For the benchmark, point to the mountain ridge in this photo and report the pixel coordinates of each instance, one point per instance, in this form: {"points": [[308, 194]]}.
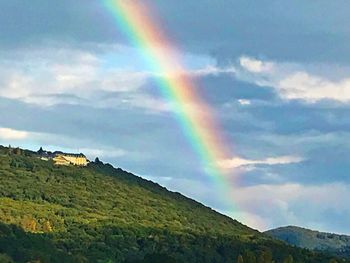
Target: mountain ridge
{"points": [[336, 244], [102, 214]]}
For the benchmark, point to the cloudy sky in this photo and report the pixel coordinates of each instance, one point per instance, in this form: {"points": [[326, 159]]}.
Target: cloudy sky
{"points": [[275, 73]]}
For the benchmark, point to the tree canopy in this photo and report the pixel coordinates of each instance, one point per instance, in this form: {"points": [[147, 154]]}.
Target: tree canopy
{"points": [[98, 213]]}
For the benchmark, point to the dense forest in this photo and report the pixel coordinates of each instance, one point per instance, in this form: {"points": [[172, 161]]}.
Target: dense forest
{"points": [[98, 213], [338, 245]]}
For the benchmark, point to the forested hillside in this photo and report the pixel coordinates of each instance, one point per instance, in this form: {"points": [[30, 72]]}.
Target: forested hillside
{"points": [[315, 240], [98, 213]]}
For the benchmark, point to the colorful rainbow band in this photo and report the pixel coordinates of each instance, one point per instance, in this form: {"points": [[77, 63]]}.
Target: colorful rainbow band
{"points": [[192, 113]]}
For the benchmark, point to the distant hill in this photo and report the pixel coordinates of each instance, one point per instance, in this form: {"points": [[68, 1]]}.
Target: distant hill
{"points": [[98, 213], [306, 238]]}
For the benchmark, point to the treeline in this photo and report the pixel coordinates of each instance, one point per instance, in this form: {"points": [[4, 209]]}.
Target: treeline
{"points": [[136, 245]]}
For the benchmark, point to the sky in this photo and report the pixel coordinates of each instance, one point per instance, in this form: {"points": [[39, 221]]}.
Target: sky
{"points": [[276, 75]]}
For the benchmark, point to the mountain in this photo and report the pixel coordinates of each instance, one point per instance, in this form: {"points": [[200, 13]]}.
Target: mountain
{"points": [[97, 213], [314, 240]]}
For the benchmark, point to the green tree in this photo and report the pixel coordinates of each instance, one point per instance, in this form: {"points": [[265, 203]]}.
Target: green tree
{"points": [[5, 259], [29, 224], [240, 259], [289, 259], [249, 257], [265, 257], [18, 151], [47, 226]]}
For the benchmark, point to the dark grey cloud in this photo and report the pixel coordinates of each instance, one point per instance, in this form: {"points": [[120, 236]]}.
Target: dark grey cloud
{"points": [[222, 88], [33, 22], [326, 164], [318, 168], [281, 30]]}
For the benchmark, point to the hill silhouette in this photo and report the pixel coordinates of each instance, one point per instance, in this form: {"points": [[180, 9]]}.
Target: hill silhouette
{"points": [[98, 213], [320, 241]]}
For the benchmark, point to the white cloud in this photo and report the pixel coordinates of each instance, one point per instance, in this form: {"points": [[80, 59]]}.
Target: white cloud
{"points": [[294, 81], [44, 78], [250, 164], [244, 102], [70, 76], [212, 70], [302, 85], [254, 65], [45, 73], [11, 134]]}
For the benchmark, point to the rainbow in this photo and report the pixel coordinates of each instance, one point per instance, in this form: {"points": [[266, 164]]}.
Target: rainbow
{"points": [[195, 117]]}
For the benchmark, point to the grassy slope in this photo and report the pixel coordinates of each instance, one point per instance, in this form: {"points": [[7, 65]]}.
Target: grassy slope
{"points": [[98, 213]]}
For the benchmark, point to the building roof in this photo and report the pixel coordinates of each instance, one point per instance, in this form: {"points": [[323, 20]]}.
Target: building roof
{"points": [[69, 154], [42, 152]]}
